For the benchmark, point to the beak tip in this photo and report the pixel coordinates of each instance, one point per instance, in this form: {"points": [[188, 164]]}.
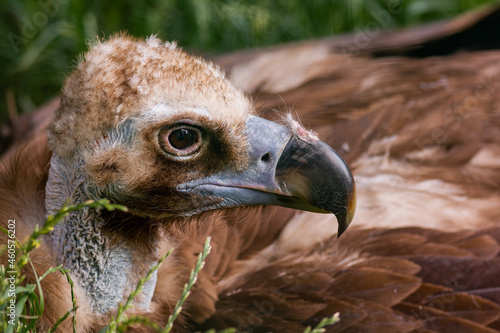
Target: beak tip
{"points": [[344, 220], [342, 228]]}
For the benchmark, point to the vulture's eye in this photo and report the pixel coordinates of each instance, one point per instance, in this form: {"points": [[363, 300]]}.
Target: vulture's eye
{"points": [[180, 140]]}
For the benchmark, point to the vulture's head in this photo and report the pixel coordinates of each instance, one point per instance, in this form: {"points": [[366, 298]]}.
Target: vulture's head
{"points": [[167, 135]]}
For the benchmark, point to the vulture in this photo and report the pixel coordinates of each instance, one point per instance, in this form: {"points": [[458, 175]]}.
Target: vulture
{"points": [[258, 159]]}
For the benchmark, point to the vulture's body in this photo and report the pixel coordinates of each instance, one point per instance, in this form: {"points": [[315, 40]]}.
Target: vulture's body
{"points": [[421, 136]]}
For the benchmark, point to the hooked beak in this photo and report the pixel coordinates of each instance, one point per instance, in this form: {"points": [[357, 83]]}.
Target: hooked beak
{"points": [[285, 169]]}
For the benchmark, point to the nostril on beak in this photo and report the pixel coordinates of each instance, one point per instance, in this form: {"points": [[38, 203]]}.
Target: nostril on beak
{"points": [[265, 162]]}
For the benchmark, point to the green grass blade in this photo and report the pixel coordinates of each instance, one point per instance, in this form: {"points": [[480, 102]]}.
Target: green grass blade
{"points": [[120, 321], [63, 318], [187, 287], [324, 322]]}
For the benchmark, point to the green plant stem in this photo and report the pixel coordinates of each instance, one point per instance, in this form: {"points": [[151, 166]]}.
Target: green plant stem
{"points": [[187, 287]]}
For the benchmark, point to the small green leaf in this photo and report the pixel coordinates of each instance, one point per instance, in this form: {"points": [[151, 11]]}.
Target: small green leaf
{"points": [[29, 288], [104, 329]]}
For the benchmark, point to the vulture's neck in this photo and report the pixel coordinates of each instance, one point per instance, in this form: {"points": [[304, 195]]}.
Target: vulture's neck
{"points": [[107, 268]]}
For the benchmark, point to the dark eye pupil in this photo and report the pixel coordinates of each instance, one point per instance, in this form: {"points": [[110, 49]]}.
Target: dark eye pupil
{"points": [[183, 138]]}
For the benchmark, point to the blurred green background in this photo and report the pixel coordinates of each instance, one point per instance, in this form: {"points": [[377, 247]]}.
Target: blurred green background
{"points": [[41, 38]]}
